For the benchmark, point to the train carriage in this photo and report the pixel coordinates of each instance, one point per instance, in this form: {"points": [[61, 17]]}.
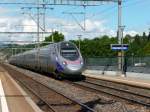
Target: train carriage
{"points": [[63, 59]]}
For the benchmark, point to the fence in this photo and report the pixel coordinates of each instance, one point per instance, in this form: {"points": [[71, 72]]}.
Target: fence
{"points": [[134, 64]]}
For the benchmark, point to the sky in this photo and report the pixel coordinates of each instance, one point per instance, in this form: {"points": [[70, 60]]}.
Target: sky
{"points": [[99, 20]]}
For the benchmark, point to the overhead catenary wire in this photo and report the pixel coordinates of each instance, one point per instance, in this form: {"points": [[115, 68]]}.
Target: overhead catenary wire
{"points": [[62, 2], [126, 3], [106, 13]]}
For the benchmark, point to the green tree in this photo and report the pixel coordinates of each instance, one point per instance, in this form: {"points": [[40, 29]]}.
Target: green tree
{"points": [[146, 49], [55, 37], [149, 36], [97, 47]]}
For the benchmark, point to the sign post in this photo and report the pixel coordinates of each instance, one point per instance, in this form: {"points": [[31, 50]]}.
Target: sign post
{"points": [[120, 48]]}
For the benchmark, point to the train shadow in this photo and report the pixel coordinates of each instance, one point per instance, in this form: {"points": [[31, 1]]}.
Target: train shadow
{"points": [[73, 78], [76, 78], [90, 104], [94, 105]]}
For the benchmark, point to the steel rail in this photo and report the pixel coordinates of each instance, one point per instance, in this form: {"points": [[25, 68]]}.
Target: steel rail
{"points": [[60, 93], [74, 100], [31, 90], [117, 90]]}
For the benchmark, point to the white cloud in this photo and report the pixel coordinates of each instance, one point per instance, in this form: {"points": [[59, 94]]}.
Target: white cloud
{"points": [[94, 25], [70, 29], [9, 24], [4, 10], [29, 25], [94, 28], [132, 32]]}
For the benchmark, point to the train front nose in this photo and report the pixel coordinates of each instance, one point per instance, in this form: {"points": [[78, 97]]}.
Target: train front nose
{"points": [[73, 68], [71, 58]]}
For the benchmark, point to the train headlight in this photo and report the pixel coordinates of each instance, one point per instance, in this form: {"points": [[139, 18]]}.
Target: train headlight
{"points": [[81, 62], [64, 63], [56, 58]]}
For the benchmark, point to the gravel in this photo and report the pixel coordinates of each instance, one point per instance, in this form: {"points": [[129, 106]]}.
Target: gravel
{"points": [[91, 99], [120, 107]]}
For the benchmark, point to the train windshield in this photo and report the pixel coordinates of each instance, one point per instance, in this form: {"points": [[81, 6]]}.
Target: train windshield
{"points": [[69, 51]]}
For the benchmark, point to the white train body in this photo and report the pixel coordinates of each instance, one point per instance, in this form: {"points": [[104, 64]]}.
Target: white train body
{"points": [[63, 59]]}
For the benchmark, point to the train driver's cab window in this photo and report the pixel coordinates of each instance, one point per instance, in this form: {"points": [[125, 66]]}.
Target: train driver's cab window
{"points": [[69, 51]]}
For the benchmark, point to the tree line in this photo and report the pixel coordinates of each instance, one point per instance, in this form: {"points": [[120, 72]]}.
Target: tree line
{"points": [[139, 45], [100, 46]]}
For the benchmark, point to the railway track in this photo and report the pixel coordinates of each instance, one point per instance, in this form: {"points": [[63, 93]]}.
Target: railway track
{"points": [[127, 92], [102, 104], [53, 100]]}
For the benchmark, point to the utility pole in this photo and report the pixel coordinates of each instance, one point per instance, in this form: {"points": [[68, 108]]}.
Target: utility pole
{"points": [[38, 30], [122, 51], [119, 36], [11, 45], [84, 16], [44, 10], [52, 35], [79, 37]]}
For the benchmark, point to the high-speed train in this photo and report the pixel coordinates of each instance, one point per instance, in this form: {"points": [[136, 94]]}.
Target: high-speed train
{"points": [[61, 59]]}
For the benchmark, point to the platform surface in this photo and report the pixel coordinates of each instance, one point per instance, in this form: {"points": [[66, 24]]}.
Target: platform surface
{"points": [[3, 102], [126, 80], [16, 99]]}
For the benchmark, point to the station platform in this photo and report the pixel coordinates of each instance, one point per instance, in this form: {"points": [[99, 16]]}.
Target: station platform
{"points": [[12, 97], [142, 83]]}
